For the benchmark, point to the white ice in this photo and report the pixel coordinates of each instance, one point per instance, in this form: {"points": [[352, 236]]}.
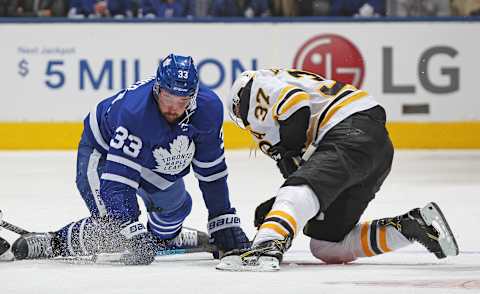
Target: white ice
{"points": [[37, 192]]}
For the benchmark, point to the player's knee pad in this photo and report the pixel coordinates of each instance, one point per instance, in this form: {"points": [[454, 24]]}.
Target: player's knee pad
{"points": [[331, 252]]}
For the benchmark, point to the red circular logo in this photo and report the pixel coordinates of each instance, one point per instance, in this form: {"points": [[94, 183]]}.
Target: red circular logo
{"points": [[332, 57]]}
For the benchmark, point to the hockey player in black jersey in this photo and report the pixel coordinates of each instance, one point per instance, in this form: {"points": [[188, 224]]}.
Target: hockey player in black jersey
{"points": [[331, 145]]}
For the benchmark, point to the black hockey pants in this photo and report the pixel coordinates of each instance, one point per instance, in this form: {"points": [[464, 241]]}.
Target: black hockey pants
{"points": [[345, 172]]}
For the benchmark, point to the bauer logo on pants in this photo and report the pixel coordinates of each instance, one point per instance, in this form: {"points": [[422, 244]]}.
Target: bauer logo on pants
{"points": [[332, 57]]}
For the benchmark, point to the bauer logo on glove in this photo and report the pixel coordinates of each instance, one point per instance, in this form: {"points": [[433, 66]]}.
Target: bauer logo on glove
{"points": [[224, 221]]}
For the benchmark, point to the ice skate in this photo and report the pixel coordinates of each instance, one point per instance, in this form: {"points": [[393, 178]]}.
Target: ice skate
{"points": [[188, 241], [264, 257], [429, 227], [33, 245]]}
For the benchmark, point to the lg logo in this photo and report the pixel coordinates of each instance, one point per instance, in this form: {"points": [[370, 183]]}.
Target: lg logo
{"points": [[335, 57], [423, 73], [332, 57]]}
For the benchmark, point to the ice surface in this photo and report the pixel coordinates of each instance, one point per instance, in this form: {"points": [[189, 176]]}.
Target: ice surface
{"points": [[37, 191]]}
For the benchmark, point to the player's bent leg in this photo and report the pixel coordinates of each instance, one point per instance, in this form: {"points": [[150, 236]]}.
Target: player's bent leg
{"points": [[89, 166], [427, 226], [364, 240], [167, 209], [88, 236]]}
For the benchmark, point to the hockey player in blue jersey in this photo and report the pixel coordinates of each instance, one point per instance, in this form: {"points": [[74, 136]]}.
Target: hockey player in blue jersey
{"points": [[143, 141]]}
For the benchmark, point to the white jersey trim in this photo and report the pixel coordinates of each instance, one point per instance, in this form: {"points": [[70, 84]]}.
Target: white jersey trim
{"points": [[124, 161], [155, 229], [80, 237], [95, 128], [211, 178], [154, 179], [119, 179], [69, 239], [158, 226], [94, 181], [203, 164], [157, 220]]}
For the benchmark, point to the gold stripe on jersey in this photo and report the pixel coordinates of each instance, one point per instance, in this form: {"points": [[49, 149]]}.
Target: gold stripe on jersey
{"points": [[276, 227], [290, 220], [288, 98], [364, 237], [358, 95], [280, 97]]}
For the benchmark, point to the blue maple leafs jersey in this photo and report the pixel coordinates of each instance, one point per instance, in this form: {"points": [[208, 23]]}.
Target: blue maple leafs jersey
{"points": [[142, 150]]}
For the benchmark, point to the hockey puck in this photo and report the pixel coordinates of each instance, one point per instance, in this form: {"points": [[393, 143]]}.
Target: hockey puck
{"points": [[4, 246]]}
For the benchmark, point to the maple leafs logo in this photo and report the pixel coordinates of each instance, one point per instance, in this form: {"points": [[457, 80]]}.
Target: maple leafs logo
{"points": [[177, 159]]}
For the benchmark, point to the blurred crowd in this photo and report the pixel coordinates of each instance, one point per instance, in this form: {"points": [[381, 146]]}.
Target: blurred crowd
{"points": [[235, 8]]}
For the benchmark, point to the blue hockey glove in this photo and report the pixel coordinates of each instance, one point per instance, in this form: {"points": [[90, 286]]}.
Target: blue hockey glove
{"points": [[141, 245], [225, 232]]}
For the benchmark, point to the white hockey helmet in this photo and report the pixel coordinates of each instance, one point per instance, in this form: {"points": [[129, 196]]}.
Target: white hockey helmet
{"points": [[233, 102]]}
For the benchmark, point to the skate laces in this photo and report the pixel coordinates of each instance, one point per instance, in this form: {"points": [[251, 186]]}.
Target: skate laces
{"points": [[39, 246], [186, 238], [266, 247]]}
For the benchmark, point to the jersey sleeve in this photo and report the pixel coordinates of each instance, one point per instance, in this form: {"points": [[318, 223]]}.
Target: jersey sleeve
{"points": [[288, 100], [122, 170], [209, 164]]}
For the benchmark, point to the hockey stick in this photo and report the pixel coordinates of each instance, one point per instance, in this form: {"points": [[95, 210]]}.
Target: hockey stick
{"points": [[11, 227]]}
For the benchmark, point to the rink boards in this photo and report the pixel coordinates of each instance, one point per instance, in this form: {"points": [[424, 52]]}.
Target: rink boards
{"points": [[424, 73]]}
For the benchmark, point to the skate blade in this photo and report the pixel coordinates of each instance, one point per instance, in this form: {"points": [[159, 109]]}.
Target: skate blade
{"points": [[234, 263], [432, 215]]}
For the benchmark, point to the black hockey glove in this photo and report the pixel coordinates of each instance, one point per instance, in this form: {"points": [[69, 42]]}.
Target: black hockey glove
{"points": [[262, 210], [141, 245], [284, 159], [225, 232]]}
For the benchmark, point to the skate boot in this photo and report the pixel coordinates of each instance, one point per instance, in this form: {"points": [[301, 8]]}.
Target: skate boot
{"points": [[428, 227], [263, 257], [33, 246], [188, 241]]}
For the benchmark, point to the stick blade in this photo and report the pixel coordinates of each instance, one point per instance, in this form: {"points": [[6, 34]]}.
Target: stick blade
{"points": [[5, 252]]}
